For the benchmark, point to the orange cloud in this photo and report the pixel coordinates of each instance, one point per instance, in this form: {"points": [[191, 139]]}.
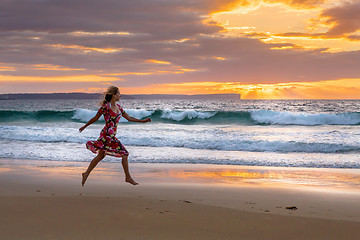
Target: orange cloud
{"points": [[308, 24], [299, 3], [157, 61], [62, 79], [216, 6], [5, 68], [228, 5], [81, 33], [339, 21], [171, 70], [337, 89], [54, 67], [343, 20], [86, 49]]}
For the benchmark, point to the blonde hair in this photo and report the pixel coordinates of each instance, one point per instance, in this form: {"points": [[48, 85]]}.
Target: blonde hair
{"points": [[110, 92]]}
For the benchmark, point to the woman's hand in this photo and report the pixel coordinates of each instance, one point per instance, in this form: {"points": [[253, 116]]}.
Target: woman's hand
{"points": [[91, 121], [82, 128], [146, 120], [132, 119]]}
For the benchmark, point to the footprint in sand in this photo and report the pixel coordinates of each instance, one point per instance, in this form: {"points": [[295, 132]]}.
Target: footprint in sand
{"points": [[166, 211]]}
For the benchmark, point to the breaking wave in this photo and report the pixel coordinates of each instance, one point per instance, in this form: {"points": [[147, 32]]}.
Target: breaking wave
{"points": [[253, 117]]}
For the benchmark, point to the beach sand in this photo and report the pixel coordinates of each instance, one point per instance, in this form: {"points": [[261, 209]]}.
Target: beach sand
{"points": [[46, 201]]}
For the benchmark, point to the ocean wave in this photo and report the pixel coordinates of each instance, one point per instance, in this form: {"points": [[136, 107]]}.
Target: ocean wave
{"points": [[206, 139], [294, 118], [39, 116], [252, 117], [187, 114], [84, 115], [60, 152]]}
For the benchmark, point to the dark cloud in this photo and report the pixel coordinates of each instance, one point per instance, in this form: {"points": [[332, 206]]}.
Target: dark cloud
{"points": [[43, 87], [346, 19], [30, 29], [343, 21], [251, 61], [168, 18], [354, 37]]}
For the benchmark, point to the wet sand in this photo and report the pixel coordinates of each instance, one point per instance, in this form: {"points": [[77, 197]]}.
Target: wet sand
{"points": [[48, 202]]}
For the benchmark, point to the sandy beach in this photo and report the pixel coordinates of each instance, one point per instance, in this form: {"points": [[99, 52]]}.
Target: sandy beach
{"points": [[46, 201]]}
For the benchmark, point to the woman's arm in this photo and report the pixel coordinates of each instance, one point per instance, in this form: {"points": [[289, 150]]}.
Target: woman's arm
{"points": [[91, 121], [132, 119]]}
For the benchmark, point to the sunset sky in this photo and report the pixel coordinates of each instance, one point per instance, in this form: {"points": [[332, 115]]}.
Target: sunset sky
{"points": [[262, 49]]}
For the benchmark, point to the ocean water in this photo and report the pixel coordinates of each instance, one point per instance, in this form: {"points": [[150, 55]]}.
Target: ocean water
{"points": [[280, 133]]}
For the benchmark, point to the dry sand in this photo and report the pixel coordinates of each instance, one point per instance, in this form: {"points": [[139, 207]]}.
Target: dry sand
{"points": [[49, 203]]}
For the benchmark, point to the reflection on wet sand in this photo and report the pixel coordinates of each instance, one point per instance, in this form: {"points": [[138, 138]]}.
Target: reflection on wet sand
{"points": [[336, 179], [346, 179]]}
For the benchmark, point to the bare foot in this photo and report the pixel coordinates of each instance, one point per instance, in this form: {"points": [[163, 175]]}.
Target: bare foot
{"points": [[131, 181], [84, 177]]}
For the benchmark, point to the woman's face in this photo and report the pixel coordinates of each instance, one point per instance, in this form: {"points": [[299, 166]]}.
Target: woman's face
{"points": [[117, 96]]}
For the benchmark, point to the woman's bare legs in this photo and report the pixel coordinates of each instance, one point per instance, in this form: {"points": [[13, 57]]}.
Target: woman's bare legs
{"points": [[92, 165], [125, 165]]}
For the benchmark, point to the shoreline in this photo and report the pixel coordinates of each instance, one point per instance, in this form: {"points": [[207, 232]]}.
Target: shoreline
{"points": [[43, 201], [313, 179]]}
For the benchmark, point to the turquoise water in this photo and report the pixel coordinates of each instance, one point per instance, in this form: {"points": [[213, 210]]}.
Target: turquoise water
{"points": [[291, 133]]}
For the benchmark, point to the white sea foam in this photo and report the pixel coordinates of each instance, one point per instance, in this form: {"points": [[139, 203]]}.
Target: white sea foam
{"points": [[60, 152], [193, 138], [189, 114], [295, 118], [43, 134]]}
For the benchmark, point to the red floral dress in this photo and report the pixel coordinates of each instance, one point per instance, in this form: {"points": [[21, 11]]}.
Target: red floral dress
{"points": [[107, 140]]}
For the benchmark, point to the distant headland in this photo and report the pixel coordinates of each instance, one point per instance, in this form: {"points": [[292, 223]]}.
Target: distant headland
{"points": [[17, 96]]}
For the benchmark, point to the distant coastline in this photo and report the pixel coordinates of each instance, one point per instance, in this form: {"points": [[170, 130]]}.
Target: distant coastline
{"points": [[19, 96]]}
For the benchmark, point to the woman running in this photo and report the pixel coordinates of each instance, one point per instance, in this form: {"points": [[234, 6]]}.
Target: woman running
{"points": [[107, 143]]}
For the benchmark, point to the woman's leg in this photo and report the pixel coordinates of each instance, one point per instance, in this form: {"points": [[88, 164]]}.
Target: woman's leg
{"points": [[125, 165], [92, 165]]}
